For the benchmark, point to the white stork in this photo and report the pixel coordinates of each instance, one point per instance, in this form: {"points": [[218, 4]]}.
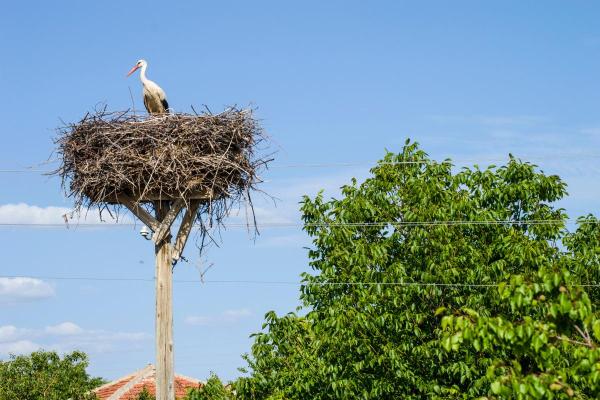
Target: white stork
{"points": [[155, 99]]}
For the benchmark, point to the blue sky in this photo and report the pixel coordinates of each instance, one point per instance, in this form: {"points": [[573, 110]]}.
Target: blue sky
{"points": [[334, 82]]}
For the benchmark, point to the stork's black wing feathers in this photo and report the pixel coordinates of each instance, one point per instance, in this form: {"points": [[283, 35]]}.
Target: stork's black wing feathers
{"points": [[165, 104], [146, 104]]}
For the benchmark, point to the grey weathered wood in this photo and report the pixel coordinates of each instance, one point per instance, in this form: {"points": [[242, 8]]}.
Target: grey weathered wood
{"points": [[165, 374], [184, 229], [139, 212], [165, 224]]}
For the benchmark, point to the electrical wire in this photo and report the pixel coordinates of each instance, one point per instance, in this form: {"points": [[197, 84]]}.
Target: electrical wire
{"points": [[321, 224], [267, 283], [576, 156]]}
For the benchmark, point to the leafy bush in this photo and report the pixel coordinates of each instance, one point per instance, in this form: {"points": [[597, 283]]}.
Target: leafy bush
{"points": [[145, 395], [44, 375], [213, 390]]}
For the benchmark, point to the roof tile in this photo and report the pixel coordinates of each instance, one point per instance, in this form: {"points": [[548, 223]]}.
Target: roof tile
{"points": [[130, 386]]}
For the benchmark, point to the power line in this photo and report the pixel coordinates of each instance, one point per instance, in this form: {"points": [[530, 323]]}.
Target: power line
{"points": [[321, 224], [17, 171], [373, 162], [275, 283], [448, 161]]}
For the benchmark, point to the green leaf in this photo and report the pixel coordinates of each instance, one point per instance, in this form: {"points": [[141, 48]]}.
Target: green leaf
{"points": [[496, 387], [596, 329]]}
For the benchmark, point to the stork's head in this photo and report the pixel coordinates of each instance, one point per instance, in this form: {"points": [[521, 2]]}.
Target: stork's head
{"points": [[137, 65]]}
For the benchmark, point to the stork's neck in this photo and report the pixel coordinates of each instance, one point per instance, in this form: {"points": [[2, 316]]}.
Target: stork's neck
{"points": [[143, 74]]}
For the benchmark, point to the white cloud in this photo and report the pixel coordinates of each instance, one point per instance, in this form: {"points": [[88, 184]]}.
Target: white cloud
{"points": [[234, 315], [65, 328], [13, 290], [64, 337], [287, 193], [272, 215], [23, 213], [15, 340], [18, 347], [100, 341], [9, 333], [227, 317]]}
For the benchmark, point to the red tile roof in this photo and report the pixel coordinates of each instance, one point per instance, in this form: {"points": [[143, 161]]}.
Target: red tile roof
{"points": [[128, 387]]}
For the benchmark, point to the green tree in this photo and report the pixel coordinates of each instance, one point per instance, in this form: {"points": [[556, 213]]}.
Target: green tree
{"points": [[45, 375], [212, 390], [546, 345], [545, 348], [145, 395], [370, 326]]}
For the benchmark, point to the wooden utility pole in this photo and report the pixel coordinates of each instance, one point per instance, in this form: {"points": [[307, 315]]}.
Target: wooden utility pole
{"points": [[167, 255], [164, 311]]}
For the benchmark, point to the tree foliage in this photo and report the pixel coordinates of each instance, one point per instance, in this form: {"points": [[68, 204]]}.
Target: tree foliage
{"points": [[546, 348], [45, 375], [145, 395], [401, 309], [212, 390]]}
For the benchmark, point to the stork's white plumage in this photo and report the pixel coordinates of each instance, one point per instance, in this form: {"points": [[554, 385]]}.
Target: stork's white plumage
{"points": [[155, 99]]}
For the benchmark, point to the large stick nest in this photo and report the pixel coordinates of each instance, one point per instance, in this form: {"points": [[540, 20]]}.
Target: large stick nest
{"points": [[212, 157]]}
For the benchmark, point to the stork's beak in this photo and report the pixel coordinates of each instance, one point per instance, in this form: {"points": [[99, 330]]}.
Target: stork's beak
{"points": [[133, 70]]}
